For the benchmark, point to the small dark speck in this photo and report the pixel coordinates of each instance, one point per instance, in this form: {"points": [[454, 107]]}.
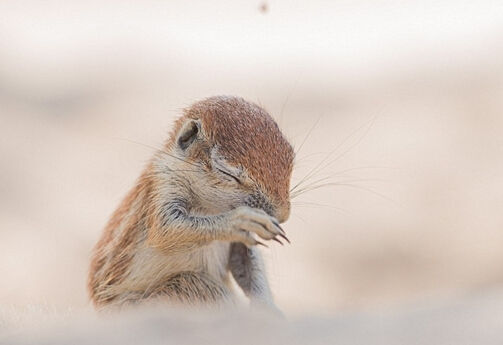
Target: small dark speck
{"points": [[263, 8]]}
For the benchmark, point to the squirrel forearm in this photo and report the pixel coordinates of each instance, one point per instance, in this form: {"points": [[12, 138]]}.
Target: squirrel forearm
{"points": [[248, 269], [177, 229]]}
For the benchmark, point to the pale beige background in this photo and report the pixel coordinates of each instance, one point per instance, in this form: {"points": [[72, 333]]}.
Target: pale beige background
{"points": [[406, 94]]}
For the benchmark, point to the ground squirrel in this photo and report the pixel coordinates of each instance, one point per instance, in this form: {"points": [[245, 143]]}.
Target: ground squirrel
{"points": [[219, 185]]}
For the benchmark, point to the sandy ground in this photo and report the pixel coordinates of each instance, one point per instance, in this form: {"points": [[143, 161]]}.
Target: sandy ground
{"points": [[402, 101], [476, 320]]}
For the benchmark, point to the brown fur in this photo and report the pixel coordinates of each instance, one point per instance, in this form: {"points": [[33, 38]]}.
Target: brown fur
{"points": [[114, 251]]}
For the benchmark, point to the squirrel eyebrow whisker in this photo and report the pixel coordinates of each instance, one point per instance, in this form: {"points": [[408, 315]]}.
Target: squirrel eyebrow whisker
{"points": [[323, 164], [159, 150], [179, 158], [307, 135]]}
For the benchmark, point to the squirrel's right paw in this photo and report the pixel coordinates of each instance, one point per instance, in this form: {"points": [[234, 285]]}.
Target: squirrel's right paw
{"points": [[244, 220]]}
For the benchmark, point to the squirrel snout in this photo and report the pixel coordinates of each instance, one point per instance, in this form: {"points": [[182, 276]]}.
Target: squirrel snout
{"points": [[283, 212]]}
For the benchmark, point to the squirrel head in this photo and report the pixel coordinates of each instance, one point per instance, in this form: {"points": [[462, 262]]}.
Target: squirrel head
{"points": [[230, 152]]}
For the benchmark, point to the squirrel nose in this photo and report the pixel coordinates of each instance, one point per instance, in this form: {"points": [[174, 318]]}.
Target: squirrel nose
{"points": [[283, 212]]}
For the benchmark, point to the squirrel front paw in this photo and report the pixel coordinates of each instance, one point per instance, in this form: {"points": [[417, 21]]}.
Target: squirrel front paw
{"points": [[245, 221]]}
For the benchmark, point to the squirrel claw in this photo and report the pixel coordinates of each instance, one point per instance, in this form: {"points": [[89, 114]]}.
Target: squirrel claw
{"points": [[286, 238], [262, 244], [275, 239], [279, 227]]}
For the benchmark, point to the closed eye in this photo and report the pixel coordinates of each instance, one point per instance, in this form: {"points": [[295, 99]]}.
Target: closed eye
{"points": [[230, 175]]}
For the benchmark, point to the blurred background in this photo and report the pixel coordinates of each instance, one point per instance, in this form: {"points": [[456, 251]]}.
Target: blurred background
{"points": [[397, 105]]}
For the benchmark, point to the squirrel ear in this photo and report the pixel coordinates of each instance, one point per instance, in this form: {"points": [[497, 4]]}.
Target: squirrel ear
{"points": [[188, 134]]}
